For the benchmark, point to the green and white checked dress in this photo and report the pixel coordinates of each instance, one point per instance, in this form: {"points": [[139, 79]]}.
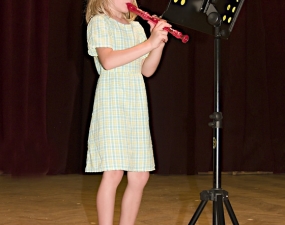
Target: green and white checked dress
{"points": [[119, 135]]}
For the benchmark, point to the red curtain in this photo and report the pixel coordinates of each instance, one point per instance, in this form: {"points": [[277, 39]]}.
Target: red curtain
{"points": [[41, 61], [24, 71], [48, 82]]}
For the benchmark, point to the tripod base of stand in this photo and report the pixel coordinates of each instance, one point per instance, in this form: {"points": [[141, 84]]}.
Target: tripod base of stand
{"points": [[218, 196]]}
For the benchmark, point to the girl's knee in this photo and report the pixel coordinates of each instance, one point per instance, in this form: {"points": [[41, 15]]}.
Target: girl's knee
{"points": [[114, 176], [138, 178]]}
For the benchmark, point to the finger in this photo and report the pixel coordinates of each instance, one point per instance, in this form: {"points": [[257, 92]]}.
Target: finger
{"points": [[164, 40], [162, 19], [162, 25], [164, 22], [151, 24]]}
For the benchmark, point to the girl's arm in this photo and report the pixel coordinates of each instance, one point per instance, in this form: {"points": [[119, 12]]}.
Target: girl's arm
{"points": [[151, 62], [110, 59]]}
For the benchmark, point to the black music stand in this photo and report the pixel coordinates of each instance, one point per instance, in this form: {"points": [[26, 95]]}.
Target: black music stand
{"points": [[216, 194], [215, 17]]}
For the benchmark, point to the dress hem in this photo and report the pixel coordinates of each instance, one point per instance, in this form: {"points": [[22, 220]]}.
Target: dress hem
{"points": [[127, 170]]}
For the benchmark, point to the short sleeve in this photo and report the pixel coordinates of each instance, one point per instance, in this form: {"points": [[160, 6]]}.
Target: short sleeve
{"points": [[142, 33], [141, 36], [98, 34]]}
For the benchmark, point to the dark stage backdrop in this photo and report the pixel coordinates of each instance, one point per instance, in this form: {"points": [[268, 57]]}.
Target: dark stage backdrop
{"points": [[48, 82]]}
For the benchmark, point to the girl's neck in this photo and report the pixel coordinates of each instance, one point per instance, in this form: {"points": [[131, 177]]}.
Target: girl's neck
{"points": [[120, 19]]}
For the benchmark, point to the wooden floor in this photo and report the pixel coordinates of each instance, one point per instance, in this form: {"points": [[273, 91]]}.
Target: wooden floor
{"points": [[168, 200]]}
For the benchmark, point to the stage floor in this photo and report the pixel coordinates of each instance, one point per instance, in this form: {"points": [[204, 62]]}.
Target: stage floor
{"points": [[168, 200]]}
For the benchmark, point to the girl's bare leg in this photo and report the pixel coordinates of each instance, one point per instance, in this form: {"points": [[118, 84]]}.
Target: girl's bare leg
{"points": [[106, 196], [132, 197]]}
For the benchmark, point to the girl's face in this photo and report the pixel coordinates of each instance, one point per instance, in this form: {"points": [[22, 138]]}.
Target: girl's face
{"points": [[119, 6]]}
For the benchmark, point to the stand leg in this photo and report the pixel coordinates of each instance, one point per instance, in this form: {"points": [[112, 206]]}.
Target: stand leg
{"points": [[230, 211], [198, 212], [215, 213], [220, 212]]}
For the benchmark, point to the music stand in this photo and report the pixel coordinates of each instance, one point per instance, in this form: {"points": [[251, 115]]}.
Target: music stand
{"points": [[214, 17]]}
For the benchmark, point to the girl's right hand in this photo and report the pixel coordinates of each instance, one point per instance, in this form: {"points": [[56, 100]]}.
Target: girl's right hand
{"points": [[158, 36]]}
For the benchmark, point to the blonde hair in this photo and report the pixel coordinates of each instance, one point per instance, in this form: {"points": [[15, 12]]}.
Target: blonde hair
{"points": [[95, 7]]}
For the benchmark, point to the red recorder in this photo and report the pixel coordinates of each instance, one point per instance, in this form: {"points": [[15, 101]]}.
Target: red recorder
{"points": [[146, 16]]}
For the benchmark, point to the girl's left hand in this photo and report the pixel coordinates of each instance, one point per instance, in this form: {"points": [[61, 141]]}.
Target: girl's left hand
{"points": [[158, 29]]}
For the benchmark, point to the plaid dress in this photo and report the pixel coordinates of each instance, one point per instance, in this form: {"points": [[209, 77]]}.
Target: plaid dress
{"points": [[119, 135]]}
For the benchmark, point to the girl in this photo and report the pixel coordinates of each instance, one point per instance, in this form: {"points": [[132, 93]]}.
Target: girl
{"points": [[119, 137]]}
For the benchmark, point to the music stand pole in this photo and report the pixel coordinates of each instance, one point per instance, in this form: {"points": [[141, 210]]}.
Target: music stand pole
{"points": [[216, 194]]}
